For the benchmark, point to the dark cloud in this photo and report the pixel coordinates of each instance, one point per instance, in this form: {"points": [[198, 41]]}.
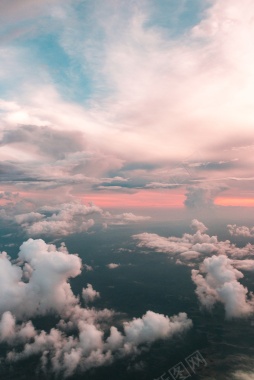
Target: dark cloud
{"points": [[45, 140], [202, 196]]}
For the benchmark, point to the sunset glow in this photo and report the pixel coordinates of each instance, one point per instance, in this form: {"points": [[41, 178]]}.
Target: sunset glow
{"points": [[141, 199], [127, 189]]}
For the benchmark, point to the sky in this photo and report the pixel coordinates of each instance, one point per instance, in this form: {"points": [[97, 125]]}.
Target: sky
{"points": [[134, 104], [118, 114]]}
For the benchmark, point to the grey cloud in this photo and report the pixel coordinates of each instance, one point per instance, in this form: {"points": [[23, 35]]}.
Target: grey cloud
{"points": [[161, 185], [89, 294], [122, 219], [45, 140], [217, 165], [202, 196], [244, 231]]}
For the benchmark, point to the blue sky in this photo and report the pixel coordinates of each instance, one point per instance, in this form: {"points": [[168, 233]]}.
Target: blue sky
{"points": [[45, 39]]}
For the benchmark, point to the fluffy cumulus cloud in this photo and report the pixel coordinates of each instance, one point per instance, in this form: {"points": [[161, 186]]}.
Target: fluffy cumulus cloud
{"points": [[218, 281], [219, 264], [199, 244], [199, 226], [47, 289], [153, 326], [37, 284], [246, 265], [62, 220], [89, 294], [244, 231], [12, 333]]}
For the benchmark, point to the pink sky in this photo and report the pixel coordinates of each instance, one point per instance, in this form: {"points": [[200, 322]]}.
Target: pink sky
{"points": [[167, 123]]}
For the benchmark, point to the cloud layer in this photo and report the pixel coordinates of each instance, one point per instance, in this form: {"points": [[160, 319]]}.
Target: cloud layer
{"points": [[219, 264], [85, 123], [37, 284]]}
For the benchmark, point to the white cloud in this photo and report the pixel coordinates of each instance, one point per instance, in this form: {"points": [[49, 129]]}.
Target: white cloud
{"points": [[153, 326], [113, 265], [15, 334], [217, 281], [65, 354], [26, 219], [64, 219], [198, 226], [48, 289], [89, 294], [217, 277], [36, 284], [189, 255], [246, 264], [200, 242], [244, 231]]}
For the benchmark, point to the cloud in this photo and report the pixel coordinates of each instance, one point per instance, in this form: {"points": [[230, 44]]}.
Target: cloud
{"points": [[8, 195], [246, 265], [199, 244], [153, 326], [220, 262], [89, 268], [15, 334], [241, 375], [113, 266], [89, 294], [190, 255], [244, 231], [217, 281], [44, 106], [125, 218], [37, 284], [199, 226], [44, 140], [202, 196], [67, 354], [61, 219], [48, 290], [31, 217], [161, 185], [64, 219]]}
